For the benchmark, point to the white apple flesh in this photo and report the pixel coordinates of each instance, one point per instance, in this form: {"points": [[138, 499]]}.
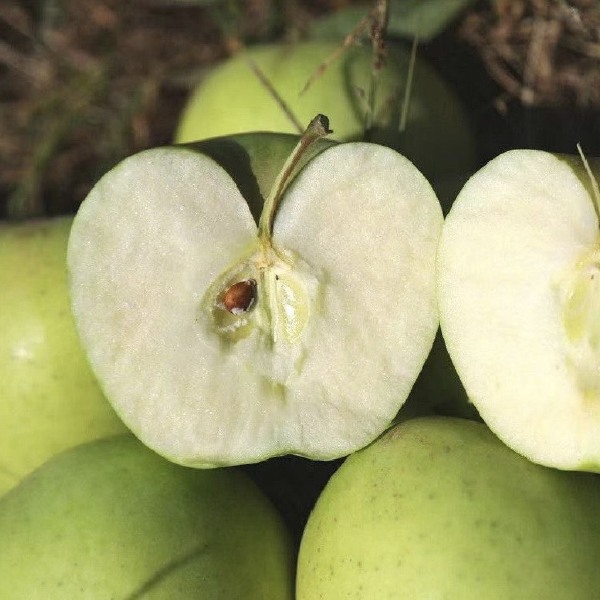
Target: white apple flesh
{"points": [[519, 297], [336, 317]]}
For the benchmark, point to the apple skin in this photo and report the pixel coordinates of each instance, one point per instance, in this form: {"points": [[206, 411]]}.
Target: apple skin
{"points": [[254, 160], [440, 508], [231, 99], [49, 398], [111, 519]]}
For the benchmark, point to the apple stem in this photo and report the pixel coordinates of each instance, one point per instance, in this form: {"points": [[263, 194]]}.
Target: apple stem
{"points": [[317, 129], [593, 181]]}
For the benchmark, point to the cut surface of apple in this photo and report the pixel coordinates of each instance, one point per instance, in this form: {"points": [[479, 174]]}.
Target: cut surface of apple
{"points": [[519, 298], [220, 341]]}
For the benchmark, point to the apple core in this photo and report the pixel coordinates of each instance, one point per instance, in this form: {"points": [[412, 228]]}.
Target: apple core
{"points": [[267, 292], [579, 292], [276, 278]]}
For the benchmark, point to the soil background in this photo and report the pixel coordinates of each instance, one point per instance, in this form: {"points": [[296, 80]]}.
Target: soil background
{"points": [[84, 83]]}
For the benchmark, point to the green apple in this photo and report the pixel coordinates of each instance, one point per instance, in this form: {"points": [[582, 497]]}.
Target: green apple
{"points": [[220, 341], [519, 297], [440, 508], [49, 398], [232, 99], [111, 519], [438, 389]]}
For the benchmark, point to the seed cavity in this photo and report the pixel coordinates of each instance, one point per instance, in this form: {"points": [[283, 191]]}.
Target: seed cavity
{"points": [[292, 306]]}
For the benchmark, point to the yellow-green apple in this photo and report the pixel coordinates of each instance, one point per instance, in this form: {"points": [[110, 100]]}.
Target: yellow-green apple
{"points": [[49, 398], [438, 507], [112, 519], [233, 99]]}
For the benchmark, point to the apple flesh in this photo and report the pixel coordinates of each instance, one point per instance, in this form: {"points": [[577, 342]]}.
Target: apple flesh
{"points": [[49, 398], [518, 273], [440, 508], [232, 99], [111, 519], [222, 342]]}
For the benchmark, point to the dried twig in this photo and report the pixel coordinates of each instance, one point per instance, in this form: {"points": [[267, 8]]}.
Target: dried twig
{"points": [[266, 82], [542, 52]]}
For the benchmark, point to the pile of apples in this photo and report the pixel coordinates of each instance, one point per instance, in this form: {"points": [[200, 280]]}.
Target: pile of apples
{"points": [[262, 294]]}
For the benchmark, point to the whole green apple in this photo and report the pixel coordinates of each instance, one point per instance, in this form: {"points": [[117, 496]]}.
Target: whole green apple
{"points": [[440, 508], [49, 398], [232, 99], [111, 519]]}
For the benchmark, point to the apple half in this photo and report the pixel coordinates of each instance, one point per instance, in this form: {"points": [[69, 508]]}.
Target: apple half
{"points": [[519, 299], [221, 341]]}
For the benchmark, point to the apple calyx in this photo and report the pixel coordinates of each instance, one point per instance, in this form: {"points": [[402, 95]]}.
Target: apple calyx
{"points": [[267, 280]]}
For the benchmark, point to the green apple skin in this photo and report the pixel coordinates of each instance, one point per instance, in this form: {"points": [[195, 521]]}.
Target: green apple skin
{"points": [[440, 508], [254, 161], [231, 99], [438, 389], [49, 398], [111, 519]]}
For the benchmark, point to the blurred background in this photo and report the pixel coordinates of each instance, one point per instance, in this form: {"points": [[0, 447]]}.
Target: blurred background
{"points": [[84, 83]]}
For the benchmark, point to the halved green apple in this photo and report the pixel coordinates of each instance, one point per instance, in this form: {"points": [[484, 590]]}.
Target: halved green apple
{"points": [[220, 341], [519, 297]]}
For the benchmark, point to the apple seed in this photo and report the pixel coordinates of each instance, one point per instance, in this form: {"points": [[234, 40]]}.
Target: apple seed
{"points": [[240, 297]]}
